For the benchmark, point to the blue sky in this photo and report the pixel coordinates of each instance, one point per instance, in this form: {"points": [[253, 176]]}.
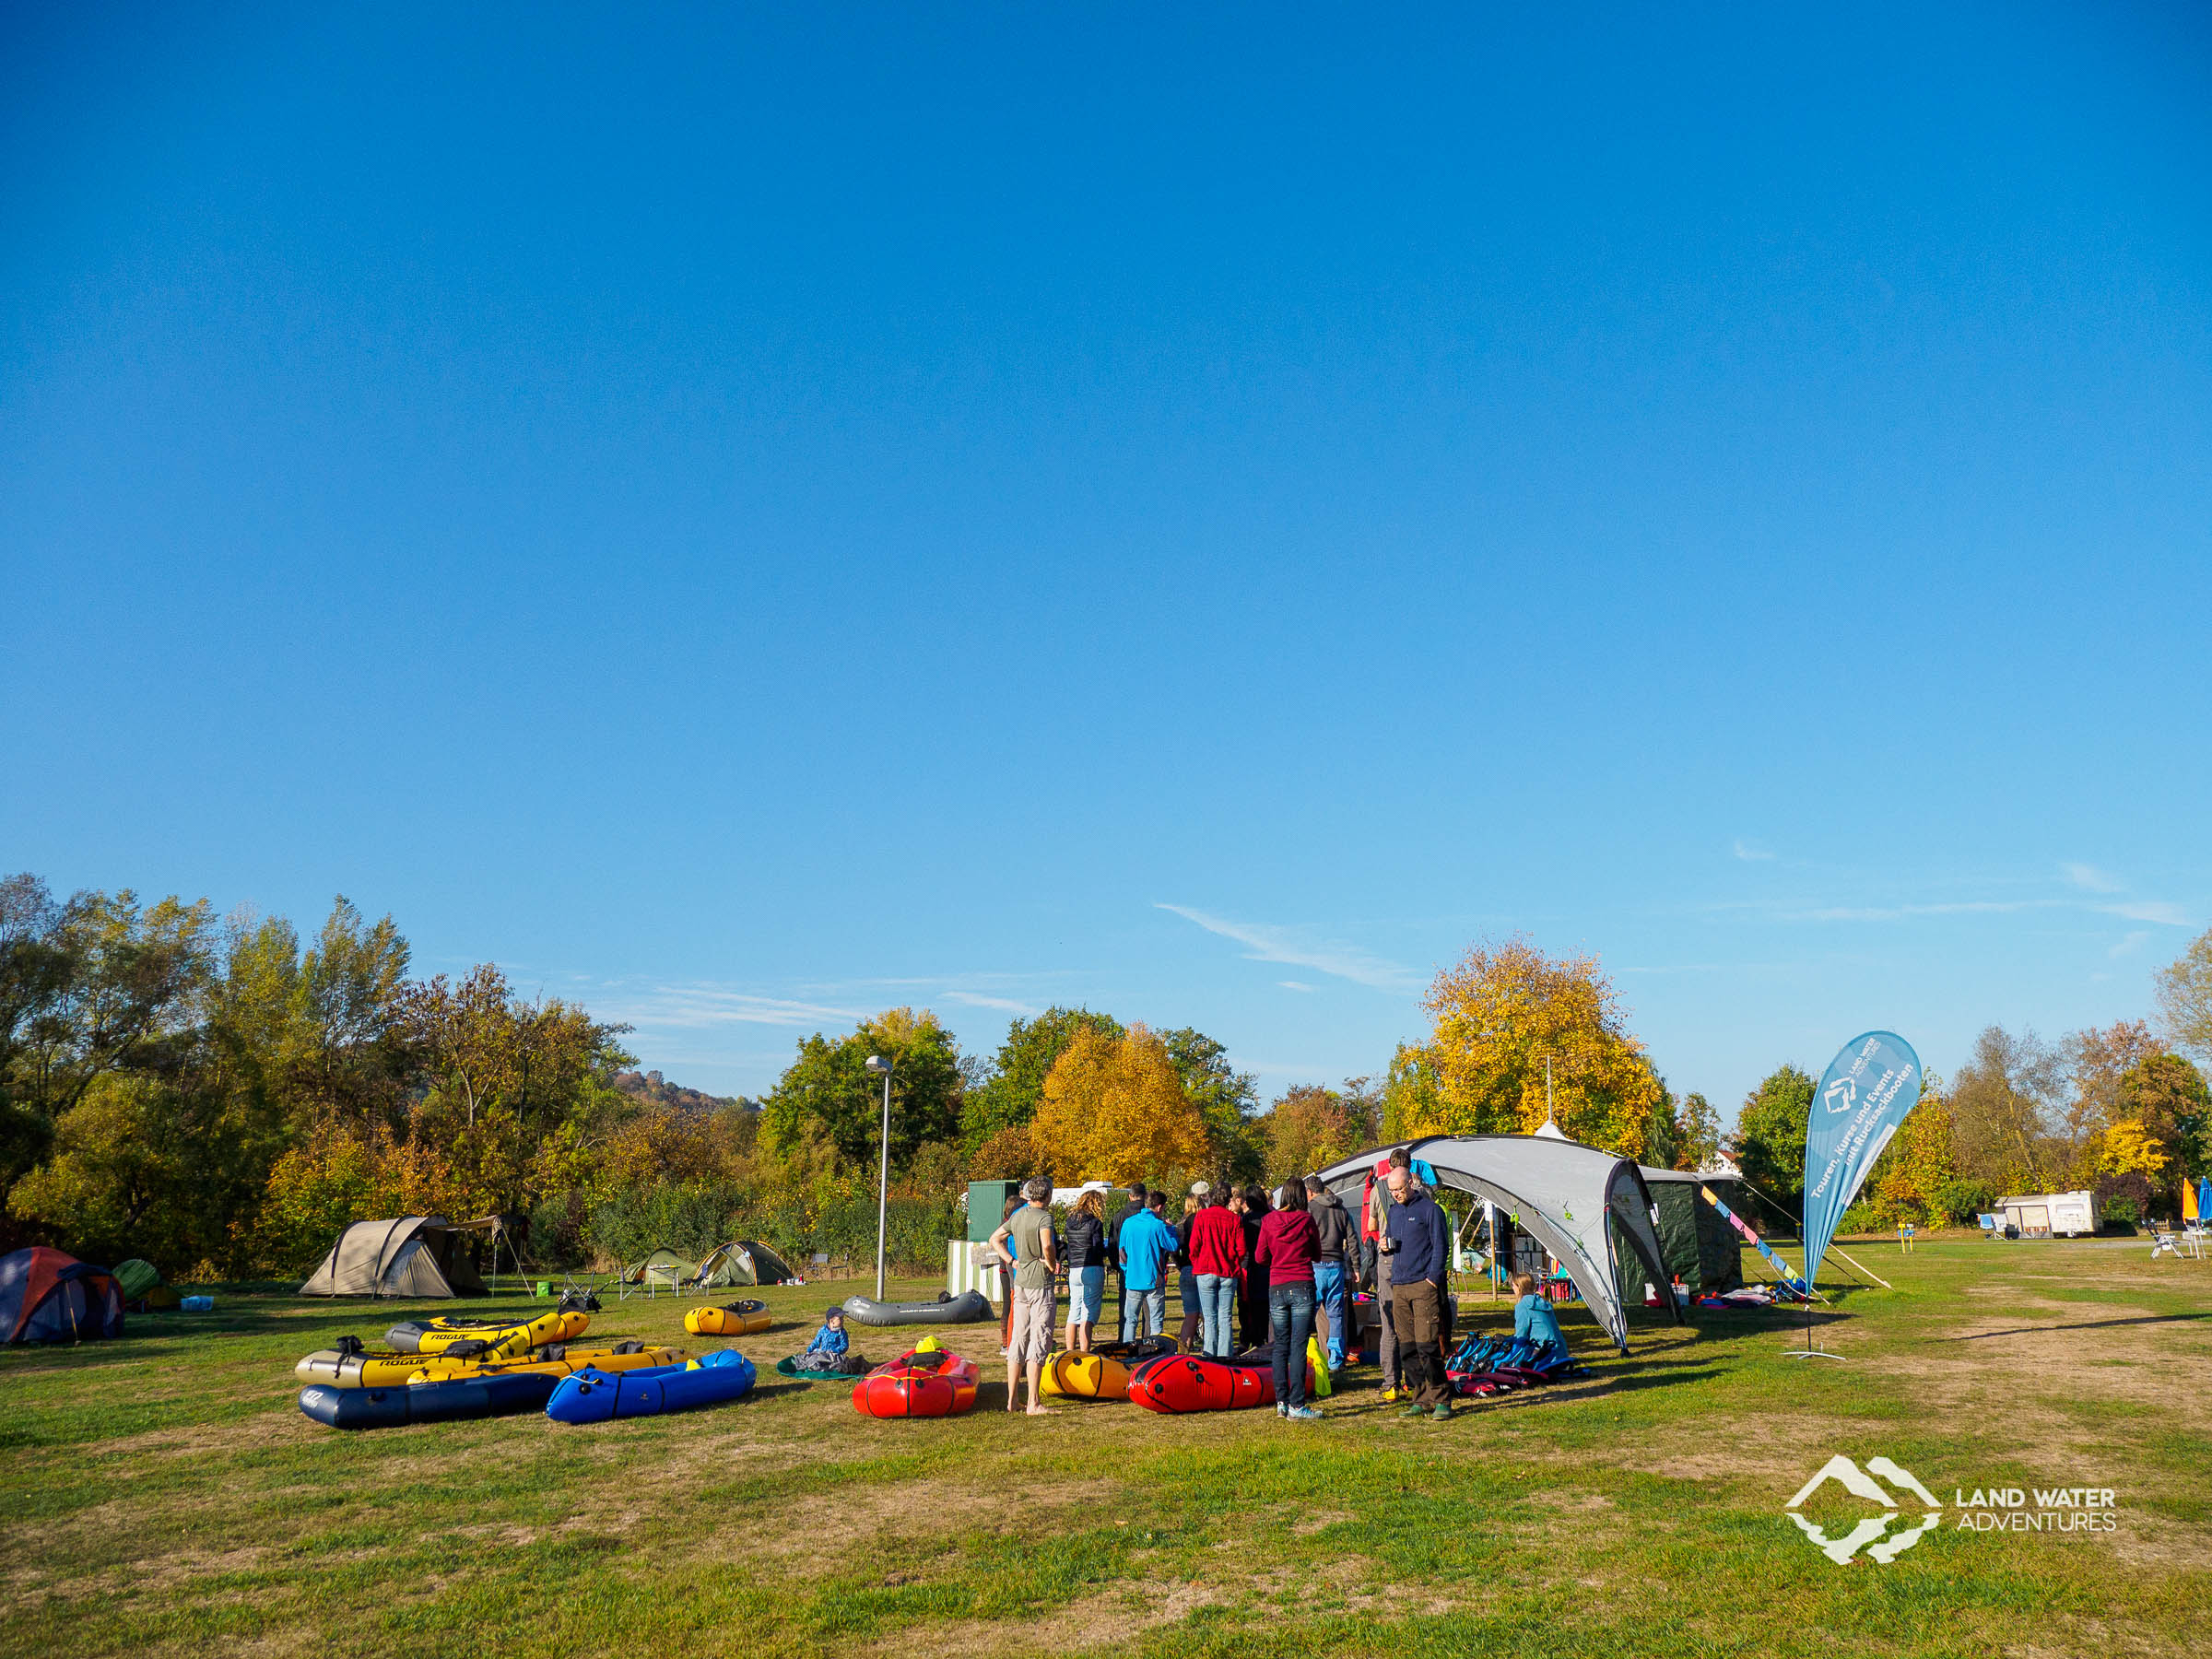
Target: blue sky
{"points": [[748, 517]]}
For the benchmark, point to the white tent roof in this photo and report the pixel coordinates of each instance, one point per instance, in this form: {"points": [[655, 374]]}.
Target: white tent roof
{"points": [[1560, 1191]]}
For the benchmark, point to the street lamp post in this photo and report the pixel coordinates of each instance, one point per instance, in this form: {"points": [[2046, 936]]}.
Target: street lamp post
{"points": [[881, 1067]]}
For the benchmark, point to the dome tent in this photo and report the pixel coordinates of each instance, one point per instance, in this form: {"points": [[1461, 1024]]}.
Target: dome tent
{"points": [[143, 1290], [50, 1296], [742, 1261], [405, 1255], [1579, 1203]]}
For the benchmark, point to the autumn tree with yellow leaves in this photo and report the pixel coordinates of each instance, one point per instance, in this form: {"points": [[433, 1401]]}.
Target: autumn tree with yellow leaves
{"points": [[1114, 1108], [1498, 1014]]}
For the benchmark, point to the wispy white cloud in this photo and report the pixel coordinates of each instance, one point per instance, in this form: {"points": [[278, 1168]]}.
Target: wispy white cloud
{"points": [[1898, 912], [695, 1007], [1265, 944], [2159, 911], [2132, 943], [1751, 852], [1294, 985], [2091, 879], [1006, 1005]]}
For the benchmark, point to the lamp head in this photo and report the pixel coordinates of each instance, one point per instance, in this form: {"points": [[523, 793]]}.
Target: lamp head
{"points": [[878, 1064]]}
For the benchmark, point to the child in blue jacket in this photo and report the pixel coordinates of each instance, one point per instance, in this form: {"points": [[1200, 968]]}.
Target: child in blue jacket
{"points": [[827, 1351]]}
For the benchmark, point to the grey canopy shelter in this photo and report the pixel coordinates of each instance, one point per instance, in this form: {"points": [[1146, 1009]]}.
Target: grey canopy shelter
{"points": [[1579, 1203], [406, 1255]]}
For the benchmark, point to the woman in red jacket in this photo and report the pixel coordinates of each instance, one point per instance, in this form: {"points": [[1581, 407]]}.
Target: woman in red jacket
{"points": [[1216, 1257], [1288, 1249]]}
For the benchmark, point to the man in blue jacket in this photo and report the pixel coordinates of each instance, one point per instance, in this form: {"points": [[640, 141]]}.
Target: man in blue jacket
{"points": [[1418, 1243], [1146, 1242]]}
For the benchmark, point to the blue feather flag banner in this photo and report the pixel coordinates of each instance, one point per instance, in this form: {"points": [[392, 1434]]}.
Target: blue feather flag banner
{"points": [[1863, 1096]]}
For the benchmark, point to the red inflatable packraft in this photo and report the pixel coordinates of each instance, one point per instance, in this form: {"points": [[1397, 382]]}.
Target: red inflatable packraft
{"points": [[1180, 1382], [917, 1384]]}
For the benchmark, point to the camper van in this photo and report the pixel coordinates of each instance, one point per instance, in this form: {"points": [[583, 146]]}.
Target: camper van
{"points": [[2049, 1214]]}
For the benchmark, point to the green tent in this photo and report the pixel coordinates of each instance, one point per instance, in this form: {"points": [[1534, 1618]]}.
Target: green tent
{"points": [[1699, 1248], [741, 1262], [663, 1270], [140, 1282]]}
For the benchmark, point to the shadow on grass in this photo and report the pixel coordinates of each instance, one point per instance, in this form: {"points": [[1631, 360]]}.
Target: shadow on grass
{"points": [[2085, 1324]]}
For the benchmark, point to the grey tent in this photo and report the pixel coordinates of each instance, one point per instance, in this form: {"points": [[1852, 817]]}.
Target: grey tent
{"points": [[1579, 1203], [1699, 1247], [406, 1255]]}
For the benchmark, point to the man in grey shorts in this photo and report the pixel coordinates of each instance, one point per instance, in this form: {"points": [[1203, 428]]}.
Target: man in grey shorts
{"points": [[1037, 1256]]}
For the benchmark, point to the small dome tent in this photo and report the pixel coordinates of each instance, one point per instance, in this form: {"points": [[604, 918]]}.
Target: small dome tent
{"points": [[50, 1296], [742, 1261], [405, 1255], [140, 1282], [662, 1269]]}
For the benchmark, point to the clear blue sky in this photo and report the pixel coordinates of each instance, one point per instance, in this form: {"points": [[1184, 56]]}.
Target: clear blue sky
{"points": [[748, 517]]}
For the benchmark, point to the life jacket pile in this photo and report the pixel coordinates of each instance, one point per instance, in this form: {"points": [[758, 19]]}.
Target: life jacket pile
{"points": [[1482, 1366]]}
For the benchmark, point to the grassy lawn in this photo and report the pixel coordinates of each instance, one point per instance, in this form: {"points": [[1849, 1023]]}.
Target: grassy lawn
{"points": [[164, 1494]]}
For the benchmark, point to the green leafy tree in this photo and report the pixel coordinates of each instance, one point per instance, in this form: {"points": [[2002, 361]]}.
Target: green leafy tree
{"points": [[2007, 1113], [88, 988], [1410, 1095], [2184, 990], [1770, 1133], [827, 1095], [1228, 1102], [1699, 1144], [503, 1076], [1663, 1135], [1006, 1094], [2165, 1095]]}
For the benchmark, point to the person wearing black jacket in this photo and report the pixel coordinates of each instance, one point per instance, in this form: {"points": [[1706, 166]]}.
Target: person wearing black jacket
{"points": [[1083, 1252], [1136, 1207], [1186, 1337], [1256, 1321], [1336, 1264]]}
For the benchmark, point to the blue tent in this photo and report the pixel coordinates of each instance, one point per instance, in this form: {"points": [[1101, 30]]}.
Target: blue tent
{"points": [[50, 1296]]}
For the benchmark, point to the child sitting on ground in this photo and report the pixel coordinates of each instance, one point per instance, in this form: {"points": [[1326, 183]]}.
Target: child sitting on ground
{"points": [[1533, 1319], [827, 1351]]}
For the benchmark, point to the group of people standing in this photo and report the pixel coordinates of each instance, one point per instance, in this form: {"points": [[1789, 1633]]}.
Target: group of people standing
{"points": [[1257, 1270]]}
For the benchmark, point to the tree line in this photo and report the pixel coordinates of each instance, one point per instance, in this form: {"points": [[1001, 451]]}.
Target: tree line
{"points": [[221, 1096]]}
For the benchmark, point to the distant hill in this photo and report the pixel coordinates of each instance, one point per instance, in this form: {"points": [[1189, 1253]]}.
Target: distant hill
{"points": [[652, 1086]]}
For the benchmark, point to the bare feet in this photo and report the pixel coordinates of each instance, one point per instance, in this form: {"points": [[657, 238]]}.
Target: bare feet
{"points": [[1037, 1411]]}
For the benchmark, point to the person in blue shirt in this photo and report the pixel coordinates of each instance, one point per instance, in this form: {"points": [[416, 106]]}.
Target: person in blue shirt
{"points": [[1533, 1318], [1144, 1244]]}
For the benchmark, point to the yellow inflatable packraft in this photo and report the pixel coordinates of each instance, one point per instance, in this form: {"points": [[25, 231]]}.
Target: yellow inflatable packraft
{"points": [[506, 1337], [740, 1319], [1084, 1377], [556, 1361], [338, 1367]]}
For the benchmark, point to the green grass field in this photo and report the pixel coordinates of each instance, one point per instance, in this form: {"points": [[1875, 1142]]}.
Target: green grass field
{"points": [[163, 1494]]}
